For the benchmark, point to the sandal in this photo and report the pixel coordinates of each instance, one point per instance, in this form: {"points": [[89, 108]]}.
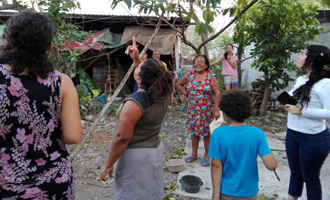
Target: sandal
{"points": [[205, 163], [190, 159]]}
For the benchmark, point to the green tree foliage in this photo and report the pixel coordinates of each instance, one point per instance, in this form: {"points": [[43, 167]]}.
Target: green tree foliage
{"points": [[276, 29], [322, 3], [62, 57], [186, 11], [216, 47]]}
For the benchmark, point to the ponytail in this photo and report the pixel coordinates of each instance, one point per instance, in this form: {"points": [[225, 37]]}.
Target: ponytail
{"points": [[155, 79], [225, 55], [162, 87]]}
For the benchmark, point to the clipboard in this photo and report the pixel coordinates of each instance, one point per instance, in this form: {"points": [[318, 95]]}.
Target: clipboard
{"points": [[285, 98]]}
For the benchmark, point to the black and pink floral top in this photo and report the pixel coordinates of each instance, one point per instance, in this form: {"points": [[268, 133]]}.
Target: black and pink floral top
{"points": [[34, 161]]}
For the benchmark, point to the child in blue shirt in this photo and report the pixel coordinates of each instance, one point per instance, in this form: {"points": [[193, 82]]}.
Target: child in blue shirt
{"points": [[234, 149]]}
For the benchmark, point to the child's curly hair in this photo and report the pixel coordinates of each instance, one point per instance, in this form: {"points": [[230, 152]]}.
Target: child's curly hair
{"points": [[237, 105]]}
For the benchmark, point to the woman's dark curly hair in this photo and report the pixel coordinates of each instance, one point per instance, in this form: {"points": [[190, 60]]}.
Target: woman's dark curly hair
{"points": [[28, 36], [237, 105], [318, 62], [207, 62], [155, 79], [226, 54]]}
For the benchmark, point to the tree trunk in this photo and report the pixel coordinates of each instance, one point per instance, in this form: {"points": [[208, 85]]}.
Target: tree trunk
{"points": [[206, 50], [240, 50], [263, 106]]}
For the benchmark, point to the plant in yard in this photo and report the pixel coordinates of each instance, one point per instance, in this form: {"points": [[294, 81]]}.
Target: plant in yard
{"points": [[63, 58], [277, 29], [85, 100]]}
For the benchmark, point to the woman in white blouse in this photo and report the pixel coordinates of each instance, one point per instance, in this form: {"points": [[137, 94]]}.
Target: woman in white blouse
{"points": [[308, 139]]}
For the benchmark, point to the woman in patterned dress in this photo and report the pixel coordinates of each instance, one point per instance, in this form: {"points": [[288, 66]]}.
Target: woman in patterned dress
{"points": [[39, 113], [202, 91]]}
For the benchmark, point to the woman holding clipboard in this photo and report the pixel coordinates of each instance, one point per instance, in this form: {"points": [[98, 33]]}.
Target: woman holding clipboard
{"points": [[308, 139]]}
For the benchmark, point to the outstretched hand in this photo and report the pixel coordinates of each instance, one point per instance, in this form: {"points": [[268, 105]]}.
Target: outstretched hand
{"points": [[132, 50], [105, 172]]}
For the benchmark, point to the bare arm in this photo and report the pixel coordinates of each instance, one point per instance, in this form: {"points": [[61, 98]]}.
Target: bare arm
{"points": [[124, 134], [232, 64], [179, 85], [269, 161], [216, 175], [217, 97], [70, 116], [216, 61], [133, 51]]}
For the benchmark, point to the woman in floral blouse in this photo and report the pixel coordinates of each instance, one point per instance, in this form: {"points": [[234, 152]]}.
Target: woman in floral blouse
{"points": [[39, 114]]}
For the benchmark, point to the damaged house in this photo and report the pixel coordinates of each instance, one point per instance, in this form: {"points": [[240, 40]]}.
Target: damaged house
{"points": [[103, 50]]}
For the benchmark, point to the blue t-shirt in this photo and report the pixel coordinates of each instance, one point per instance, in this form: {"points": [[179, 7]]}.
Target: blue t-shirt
{"points": [[238, 147]]}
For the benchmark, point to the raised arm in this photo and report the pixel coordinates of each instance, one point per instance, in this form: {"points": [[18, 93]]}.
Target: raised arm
{"points": [[133, 51], [180, 86], [123, 136], [70, 116]]}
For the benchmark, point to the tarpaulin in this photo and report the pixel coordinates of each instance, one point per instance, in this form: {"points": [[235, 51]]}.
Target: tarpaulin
{"points": [[2, 29], [164, 41], [97, 41]]}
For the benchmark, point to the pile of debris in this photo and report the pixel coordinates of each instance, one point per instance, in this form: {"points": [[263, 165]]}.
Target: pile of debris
{"points": [[257, 92]]}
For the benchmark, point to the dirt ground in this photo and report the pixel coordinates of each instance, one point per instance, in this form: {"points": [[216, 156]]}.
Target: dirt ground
{"points": [[88, 163]]}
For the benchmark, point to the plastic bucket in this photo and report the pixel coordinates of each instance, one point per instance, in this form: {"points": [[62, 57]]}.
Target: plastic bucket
{"points": [[175, 165], [191, 183]]}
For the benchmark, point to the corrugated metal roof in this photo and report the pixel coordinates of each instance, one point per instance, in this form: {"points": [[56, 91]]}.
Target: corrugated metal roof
{"points": [[105, 19], [95, 16]]}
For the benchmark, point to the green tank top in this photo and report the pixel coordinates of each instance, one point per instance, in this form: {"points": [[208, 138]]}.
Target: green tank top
{"points": [[147, 129]]}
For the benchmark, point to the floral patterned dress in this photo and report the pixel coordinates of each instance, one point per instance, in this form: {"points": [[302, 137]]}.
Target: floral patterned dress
{"points": [[200, 104], [35, 162]]}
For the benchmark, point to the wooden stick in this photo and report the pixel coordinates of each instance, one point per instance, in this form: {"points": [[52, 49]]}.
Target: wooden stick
{"points": [[112, 99]]}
